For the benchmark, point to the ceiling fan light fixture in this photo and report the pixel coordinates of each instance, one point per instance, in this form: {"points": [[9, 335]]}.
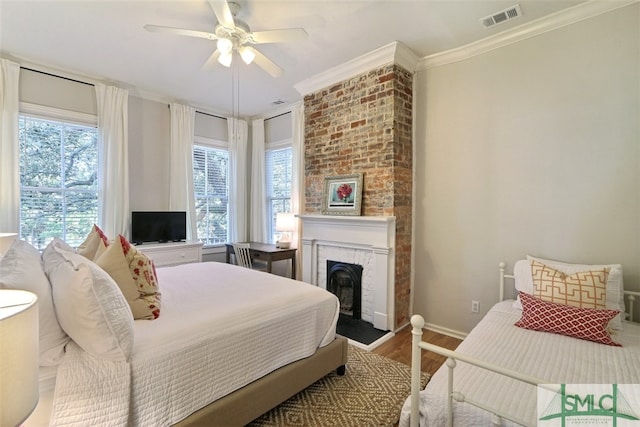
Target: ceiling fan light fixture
{"points": [[224, 45], [225, 59], [247, 55], [231, 34]]}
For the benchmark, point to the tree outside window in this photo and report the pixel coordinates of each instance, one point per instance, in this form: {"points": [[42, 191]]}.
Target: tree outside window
{"points": [[58, 180], [211, 188], [279, 164]]}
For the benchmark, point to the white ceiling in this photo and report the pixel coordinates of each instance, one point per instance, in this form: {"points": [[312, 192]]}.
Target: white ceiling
{"points": [[105, 40]]}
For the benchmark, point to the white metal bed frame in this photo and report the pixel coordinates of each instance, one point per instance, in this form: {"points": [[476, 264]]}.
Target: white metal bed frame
{"points": [[417, 345]]}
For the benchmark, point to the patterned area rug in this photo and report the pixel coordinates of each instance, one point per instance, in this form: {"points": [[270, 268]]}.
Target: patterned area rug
{"points": [[371, 393]]}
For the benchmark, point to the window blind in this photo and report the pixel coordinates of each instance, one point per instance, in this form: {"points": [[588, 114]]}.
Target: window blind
{"points": [[278, 170], [211, 188]]}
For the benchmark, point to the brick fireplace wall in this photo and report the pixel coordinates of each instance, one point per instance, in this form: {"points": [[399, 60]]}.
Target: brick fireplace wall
{"points": [[364, 124]]}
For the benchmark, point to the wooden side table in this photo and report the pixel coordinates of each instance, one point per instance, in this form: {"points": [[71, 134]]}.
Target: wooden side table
{"points": [[267, 252]]}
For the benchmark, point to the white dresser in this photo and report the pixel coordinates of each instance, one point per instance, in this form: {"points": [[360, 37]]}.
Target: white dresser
{"points": [[174, 253]]}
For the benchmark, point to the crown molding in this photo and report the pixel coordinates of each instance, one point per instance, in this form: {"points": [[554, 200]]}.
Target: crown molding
{"points": [[25, 62], [394, 52], [539, 26]]}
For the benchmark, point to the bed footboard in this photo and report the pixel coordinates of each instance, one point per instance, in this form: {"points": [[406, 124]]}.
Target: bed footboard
{"points": [[418, 345]]}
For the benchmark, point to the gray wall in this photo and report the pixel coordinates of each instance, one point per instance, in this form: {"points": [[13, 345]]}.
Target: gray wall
{"points": [[43, 89], [533, 148], [149, 148], [278, 128]]}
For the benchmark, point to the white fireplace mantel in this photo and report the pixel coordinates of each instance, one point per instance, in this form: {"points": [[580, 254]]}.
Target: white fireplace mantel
{"points": [[370, 236]]}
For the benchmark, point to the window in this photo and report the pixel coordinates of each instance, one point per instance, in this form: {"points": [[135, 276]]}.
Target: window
{"points": [[211, 188], [58, 180], [279, 163]]}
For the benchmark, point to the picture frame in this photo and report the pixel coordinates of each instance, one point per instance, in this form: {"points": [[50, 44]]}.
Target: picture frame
{"points": [[342, 195]]}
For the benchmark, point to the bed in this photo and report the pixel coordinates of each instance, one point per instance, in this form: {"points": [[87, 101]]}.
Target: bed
{"points": [[229, 343], [492, 378]]}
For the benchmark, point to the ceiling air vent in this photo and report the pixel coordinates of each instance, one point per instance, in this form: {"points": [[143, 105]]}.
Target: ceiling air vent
{"points": [[502, 16]]}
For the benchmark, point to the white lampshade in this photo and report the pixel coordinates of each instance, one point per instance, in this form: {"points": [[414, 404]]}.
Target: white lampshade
{"points": [[6, 239], [19, 355], [224, 45], [225, 59], [247, 55], [285, 221]]}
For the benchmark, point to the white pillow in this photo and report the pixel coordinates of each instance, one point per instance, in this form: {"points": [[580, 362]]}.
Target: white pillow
{"points": [[49, 251], [615, 289], [90, 306], [523, 277], [21, 268]]}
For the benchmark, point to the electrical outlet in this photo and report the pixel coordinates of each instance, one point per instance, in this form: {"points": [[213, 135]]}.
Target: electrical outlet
{"points": [[475, 306]]}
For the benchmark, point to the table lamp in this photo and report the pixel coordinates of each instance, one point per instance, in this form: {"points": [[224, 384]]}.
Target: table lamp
{"points": [[285, 222], [19, 355]]}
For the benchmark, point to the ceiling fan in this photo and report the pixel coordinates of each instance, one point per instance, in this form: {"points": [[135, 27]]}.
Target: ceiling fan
{"points": [[233, 34]]}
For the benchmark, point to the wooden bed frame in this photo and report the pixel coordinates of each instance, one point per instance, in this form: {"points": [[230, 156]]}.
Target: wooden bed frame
{"points": [[248, 403], [417, 345]]}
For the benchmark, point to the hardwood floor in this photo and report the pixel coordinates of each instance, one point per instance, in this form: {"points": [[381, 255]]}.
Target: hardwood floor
{"points": [[399, 348]]}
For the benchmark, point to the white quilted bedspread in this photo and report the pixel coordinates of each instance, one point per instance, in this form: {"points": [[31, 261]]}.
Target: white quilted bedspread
{"points": [[554, 358], [220, 328], [79, 387]]}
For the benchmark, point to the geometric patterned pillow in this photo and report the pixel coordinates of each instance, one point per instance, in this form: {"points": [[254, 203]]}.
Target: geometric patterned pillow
{"points": [[143, 272], [584, 323], [586, 289]]}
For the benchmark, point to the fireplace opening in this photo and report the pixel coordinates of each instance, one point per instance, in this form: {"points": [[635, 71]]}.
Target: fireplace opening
{"points": [[344, 280]]}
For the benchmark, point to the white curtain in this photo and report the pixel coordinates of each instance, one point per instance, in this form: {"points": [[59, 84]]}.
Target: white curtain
{"points": [[258, 219], [114, 157], [181, 195], [297, 179], [9, 147], [238, 130]]}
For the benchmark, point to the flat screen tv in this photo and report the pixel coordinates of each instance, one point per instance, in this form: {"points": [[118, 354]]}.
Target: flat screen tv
{"points": [[166, 226]]}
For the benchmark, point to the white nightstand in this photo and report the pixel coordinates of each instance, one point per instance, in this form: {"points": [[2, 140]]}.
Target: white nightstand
{"points": [[174, 253]]}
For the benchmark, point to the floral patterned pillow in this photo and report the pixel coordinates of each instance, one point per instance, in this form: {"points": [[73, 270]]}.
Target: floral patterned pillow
{"points": [[141, 294], [144, 275]]}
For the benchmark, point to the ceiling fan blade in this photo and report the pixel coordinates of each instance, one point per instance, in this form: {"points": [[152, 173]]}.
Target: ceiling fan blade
{"points": [[265, 63], [212, 61], [180, 32], [278, 36], [223, 13]]}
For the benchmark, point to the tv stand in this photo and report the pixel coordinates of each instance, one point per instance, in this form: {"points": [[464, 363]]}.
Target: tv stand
{"points": [[172, 253]]}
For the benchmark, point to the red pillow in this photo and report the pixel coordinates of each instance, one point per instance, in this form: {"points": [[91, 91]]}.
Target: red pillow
{"points": [[585, 323]]}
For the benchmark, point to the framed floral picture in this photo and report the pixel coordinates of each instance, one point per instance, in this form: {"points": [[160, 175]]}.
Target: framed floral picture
{"points": [[342, 195]]}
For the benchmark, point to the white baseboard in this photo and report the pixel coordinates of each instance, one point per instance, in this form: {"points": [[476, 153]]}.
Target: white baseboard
{"points": [[445, 331], [373, 345]]}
